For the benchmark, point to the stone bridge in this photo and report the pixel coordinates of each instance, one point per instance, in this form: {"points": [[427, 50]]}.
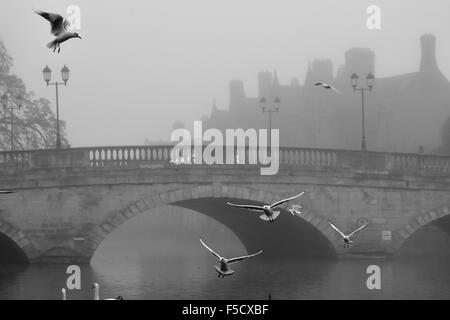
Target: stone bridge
{"points": [[67, 201]]}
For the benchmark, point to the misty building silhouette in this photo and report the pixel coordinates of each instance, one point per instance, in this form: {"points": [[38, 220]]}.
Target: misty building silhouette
{"points": [[403, 112]]}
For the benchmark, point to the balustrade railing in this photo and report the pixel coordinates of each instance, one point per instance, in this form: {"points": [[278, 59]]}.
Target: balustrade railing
{"points": [[140, 156], [15, 159], [127, 155]]}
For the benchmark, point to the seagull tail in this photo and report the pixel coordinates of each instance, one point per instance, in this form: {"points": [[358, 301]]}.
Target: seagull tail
{"points": [[39, 12], [266, 218], [51, 44]]}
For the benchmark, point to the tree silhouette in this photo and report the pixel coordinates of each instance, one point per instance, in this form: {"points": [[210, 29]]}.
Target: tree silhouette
{"points": [[35, 123]]}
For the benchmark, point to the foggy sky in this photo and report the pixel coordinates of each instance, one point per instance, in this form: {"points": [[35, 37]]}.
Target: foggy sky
{"points": [[141, 65]]}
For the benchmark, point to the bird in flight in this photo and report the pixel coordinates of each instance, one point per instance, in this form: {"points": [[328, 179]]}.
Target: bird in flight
{"points": [[59, 28], [327, 86], [296, 209], [268, 213], [346, 237], [223, 270]]}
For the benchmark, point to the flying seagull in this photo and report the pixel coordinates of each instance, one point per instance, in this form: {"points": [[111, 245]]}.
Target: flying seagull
{"points": [[346, 238], [327, 86], [59, 28], [296, 209], [268, 213], [223, 270]]}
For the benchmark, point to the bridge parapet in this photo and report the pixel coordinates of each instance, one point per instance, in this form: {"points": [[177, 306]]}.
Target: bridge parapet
{"points": [[135, 156]]}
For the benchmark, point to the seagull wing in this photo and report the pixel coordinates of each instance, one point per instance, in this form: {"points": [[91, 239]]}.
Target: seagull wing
{"points": [[66, 25], [335, 228], [246, 206], [233, 260], [285, 200], [58, 24], [335, 89], [357, 230], [295, 209], [210, 250], [6, 191]]}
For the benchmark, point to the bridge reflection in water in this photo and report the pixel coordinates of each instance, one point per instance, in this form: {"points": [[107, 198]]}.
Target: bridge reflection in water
{"points": [[67, 201]]}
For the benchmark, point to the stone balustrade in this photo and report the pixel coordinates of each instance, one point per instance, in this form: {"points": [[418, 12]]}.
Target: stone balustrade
{"points": [[135, 156]]}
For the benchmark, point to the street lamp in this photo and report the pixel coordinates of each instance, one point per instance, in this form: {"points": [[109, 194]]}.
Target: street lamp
{"points": [[272, 109], [65, 74], [354, 82], [47, 72], [6, 105]]}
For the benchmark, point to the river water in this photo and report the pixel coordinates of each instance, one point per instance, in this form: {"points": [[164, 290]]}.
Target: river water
{"points": [[195, 278]]}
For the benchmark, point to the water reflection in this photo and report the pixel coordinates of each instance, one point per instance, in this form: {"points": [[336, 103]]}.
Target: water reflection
{"points": [[155, 259], [181, 278]]}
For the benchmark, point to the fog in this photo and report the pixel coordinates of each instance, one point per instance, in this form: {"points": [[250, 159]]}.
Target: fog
{"points": [[167, 232], [141, 65]]}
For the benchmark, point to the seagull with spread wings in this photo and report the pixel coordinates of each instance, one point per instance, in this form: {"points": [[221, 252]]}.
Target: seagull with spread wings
{"points": [[327, 86], [59, 28], [268, 213], [346, 237], [223, 270]]}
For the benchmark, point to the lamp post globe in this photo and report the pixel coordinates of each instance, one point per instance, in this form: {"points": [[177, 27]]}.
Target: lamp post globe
{"points": [[47, 72], [65, 74]]}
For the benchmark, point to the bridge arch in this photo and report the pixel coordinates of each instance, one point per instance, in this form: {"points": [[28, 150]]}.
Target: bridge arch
{"points": [[14, 244], [179, 197], [417, 222]]}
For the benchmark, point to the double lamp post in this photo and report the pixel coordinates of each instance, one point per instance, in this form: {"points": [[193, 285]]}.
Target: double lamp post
{"points": [[270, 109], [65, 77], [369, 81]]}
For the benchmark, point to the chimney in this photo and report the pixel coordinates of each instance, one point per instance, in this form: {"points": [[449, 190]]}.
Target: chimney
{"points": [[276, 82], [237, 94], [428, 58], [308, 78], [264, 83]]}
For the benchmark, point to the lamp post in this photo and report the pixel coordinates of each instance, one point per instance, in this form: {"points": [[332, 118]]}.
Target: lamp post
{"points": [[271, 109], [65, 77], [354, 81], [6, 105]]}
